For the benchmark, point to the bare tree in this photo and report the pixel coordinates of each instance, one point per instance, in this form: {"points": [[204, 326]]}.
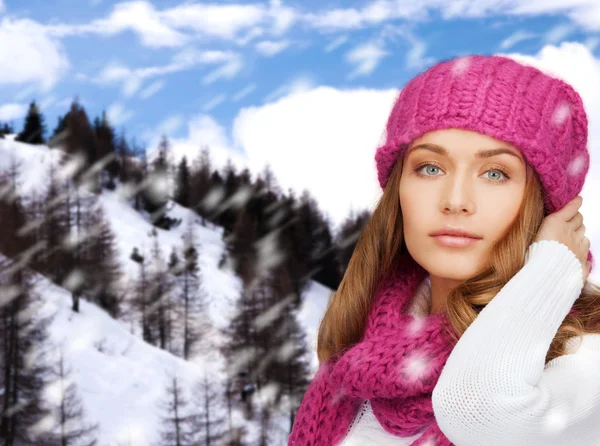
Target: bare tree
{"points": [[208, 421], [71, 428], [191, 303], [176, 421]]}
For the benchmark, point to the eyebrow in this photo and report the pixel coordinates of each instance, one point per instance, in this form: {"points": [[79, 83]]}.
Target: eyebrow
{"points": [[485, 153]]}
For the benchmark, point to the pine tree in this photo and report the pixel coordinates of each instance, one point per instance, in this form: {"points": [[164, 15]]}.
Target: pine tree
{"points": [[13, 215], [107, 150], [182, 195], [322, 255], [80, 142], [101, 263], [124, 154], [6, 129], [200, 183], [59, 131], [348, 235], [244, 349], [24, 373], [157, 191], [241, 244], [34, 128], [55, 230]]}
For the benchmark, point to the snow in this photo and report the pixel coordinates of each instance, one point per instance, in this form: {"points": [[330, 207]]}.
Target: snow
{"points": [[120, 378]]}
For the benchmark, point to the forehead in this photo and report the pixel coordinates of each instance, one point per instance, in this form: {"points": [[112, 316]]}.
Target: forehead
{"points": [[454, 141]]}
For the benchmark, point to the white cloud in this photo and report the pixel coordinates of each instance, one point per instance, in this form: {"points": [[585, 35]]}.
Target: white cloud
{"points": [[335, 43], [223, 21], [179, 25], [416, 55], [214, 102], [300, 83], [152, 89], [416, 59], [47, 102], [41, 60], [131, 85], [310, 137], [283, 17], [166, 127], [118, 114], [516, 37], [131, 78], [171, 124], [243, 92], [137, 16], [558, 33], [9, 112], [271, 48], [226, 71], [365, 57], [585, 13], [27, 92], [592, 43], [203, 131]]}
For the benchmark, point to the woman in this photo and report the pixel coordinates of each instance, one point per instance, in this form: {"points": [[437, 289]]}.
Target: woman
{"points": [[491, 340]]}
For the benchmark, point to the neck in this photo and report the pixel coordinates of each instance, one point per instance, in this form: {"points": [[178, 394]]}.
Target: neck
{"points": [[440, 289]]}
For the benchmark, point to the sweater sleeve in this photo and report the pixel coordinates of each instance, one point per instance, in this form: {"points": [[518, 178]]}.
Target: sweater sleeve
{"points": [[495, 388]]}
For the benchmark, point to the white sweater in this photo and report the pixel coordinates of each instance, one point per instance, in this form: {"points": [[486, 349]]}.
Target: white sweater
{"points": [[495, 388]]}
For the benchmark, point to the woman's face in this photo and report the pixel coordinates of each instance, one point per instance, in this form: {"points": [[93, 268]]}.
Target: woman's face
{"points": [[481, 195]]}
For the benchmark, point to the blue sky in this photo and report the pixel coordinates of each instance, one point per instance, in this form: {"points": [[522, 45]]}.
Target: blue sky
{"points": [[249, 79]]}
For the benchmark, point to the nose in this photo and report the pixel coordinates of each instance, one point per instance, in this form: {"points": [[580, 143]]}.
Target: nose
{"points": [[457, 196]]}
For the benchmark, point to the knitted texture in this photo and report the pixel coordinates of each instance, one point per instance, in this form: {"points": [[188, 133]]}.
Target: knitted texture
{"points": [[396, 366], [541, 115]]}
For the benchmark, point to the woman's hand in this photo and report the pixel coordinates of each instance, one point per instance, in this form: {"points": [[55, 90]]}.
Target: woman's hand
{"points": [[566, 226]]}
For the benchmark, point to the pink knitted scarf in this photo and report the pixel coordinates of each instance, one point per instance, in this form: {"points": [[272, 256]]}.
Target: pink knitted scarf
{"points": [[396, 365]]}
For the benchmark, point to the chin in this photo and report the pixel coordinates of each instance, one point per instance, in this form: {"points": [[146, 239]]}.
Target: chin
{"points": [[458, 266], [456, 274]]}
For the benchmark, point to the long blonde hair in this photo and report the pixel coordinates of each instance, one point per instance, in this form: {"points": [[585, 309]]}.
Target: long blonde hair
{"points": [[381, 243]]}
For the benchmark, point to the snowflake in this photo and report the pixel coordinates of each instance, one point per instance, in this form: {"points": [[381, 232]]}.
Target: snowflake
{"points": [[461, 65], [576, 165], [561, 112]]}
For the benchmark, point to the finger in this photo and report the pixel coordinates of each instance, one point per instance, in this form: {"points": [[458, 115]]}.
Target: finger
{"points": [[571, 208], [576, 221], [580, 231]]}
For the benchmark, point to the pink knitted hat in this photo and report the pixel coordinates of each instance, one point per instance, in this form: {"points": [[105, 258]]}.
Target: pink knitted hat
{"points": [[541, 115]]}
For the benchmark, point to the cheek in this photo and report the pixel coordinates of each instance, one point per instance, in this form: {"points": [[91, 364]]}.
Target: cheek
{"points": [[499, 215]]}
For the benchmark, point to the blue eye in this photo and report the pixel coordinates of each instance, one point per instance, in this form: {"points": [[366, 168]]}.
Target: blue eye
{"points": [[502, 171]]}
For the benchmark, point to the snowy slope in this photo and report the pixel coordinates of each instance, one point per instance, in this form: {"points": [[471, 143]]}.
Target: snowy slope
{"points": [[120, 378]]}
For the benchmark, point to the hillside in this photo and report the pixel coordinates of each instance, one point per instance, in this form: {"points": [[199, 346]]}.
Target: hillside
{"points": [[120, 378]]}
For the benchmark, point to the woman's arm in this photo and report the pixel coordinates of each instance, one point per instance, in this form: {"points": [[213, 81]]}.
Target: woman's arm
{"points": [[495, 388]]}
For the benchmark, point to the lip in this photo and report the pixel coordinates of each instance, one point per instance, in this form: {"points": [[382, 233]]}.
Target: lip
{"points": [[451, 241], [455, 232]]}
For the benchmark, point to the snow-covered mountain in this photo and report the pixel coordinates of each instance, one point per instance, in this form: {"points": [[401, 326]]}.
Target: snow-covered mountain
{"points": [[120, 378]]}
